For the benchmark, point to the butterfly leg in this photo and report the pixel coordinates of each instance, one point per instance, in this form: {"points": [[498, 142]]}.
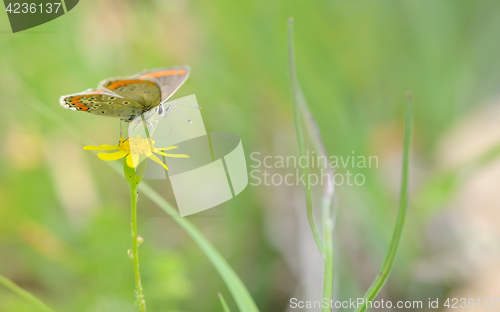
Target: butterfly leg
{"points": [[153, 124], [150, 125], [153, 127]]}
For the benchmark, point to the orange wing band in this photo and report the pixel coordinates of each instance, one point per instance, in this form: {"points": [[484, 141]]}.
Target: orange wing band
{"points": [[121, 83], [164, 73]]}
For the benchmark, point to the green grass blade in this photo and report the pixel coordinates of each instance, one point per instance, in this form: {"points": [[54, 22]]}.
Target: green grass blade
{"points": [[298, 98], [223, 303], [388, 263], [238, 290], [23, 293], [303, 114]]}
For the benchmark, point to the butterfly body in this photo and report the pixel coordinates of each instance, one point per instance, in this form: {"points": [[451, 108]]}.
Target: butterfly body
{"points": [[128, 97]]}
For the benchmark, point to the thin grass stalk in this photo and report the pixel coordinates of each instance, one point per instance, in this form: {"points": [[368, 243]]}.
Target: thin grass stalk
{"points": [[301, 109], [223, 302], [236, 287], [328, 267], [23, 293], [296, 96], [387, 265]]}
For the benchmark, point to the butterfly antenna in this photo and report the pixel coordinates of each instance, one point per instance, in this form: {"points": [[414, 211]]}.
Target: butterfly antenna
{"points": [[167, 110], [193, 106], [175, 109]]}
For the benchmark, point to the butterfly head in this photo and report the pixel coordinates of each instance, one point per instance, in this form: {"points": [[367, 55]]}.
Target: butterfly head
{"points": [[160, 110]]}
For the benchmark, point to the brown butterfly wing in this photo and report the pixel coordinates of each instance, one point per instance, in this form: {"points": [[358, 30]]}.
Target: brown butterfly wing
{"points": [[102, 102], [169, 79], [146, 92]]}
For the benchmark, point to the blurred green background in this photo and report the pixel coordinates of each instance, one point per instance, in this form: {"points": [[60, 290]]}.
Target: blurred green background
{"points": [[65, 216]]}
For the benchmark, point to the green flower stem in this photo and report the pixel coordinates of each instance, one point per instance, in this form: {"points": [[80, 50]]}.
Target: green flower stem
{"points": [[133, 180], [23, 293], [388, 263], [297, 97]]}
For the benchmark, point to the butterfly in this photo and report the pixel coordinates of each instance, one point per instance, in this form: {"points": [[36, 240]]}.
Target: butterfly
{"points": [[129, 97]]}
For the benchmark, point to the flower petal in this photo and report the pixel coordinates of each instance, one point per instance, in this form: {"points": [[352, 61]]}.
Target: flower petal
{"points": [[103, 147], [112, 156], [166, 148], [174, 155], [130, 161], [135, 158], [155, 158]]}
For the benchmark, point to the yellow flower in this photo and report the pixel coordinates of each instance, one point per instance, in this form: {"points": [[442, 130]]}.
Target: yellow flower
{"points": [[132, 148]]}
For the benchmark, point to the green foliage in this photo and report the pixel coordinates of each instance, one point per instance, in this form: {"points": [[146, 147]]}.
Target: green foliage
{"points": [[390, 257], [223, 303], [64, 218], [24, 294]]}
